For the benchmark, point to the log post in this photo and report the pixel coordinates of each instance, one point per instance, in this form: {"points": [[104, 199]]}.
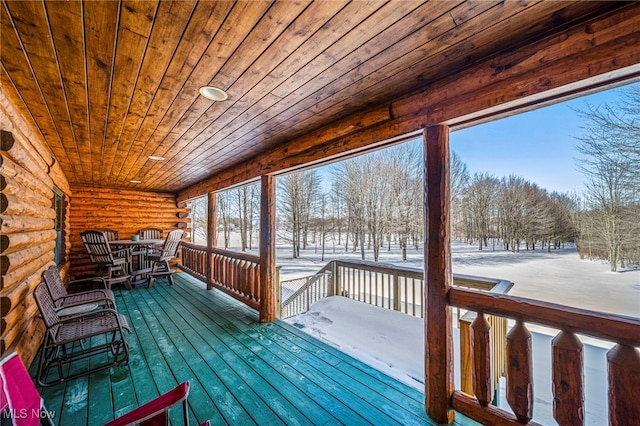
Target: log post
{"points": [[466, 359], [567, 381], [481, 349], [212, 233], [267, 249], [623, 363], [520, 372], [438, 277]]}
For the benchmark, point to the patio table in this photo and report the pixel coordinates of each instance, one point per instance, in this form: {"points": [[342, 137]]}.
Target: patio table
{"points": [[142, 268]]}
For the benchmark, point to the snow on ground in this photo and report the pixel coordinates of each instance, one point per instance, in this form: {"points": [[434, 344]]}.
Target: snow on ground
{"points": [[393, 342]]}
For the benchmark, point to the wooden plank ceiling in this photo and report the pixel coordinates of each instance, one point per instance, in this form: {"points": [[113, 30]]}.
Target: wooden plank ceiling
{"points": [[109, 83]]}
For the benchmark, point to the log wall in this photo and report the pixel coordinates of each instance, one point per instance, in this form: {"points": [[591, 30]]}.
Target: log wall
{"points": [[28, 173], [123, 210]]}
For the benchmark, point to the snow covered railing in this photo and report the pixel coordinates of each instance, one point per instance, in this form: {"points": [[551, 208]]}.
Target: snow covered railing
{"points": [[567, 359], [237, 274]]}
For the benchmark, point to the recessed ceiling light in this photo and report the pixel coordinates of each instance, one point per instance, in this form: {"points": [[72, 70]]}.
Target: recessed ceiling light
{"points": [[213, 93], [156, 158], [135, 181]]}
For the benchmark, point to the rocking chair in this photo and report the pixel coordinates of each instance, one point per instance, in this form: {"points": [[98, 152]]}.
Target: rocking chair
{"points": [[69, 338]]}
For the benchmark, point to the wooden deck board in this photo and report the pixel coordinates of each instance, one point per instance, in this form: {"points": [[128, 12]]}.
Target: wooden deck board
{"points": [[242, 372]]}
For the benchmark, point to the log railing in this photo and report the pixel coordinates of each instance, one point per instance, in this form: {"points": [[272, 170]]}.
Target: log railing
{"points": [[567, 359], [237, 274]]}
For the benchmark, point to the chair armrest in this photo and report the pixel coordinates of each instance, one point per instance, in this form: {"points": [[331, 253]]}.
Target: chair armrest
{"points": [[106, 299], [154, 407], [127, 250], [86, 315]]}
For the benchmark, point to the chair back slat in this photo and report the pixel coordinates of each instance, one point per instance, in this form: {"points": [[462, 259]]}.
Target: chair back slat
{"points": [[97, 246], [110, 234], [46, 306], [54, 284], [172, 244], [150, 233]]}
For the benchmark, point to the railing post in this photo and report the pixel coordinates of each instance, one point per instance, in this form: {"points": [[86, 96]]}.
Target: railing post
{"points": [[278, 293], [267, 248], [397, 294], [466, 360], [623, 362], [438, 277], [211, 236], [333, 290]]}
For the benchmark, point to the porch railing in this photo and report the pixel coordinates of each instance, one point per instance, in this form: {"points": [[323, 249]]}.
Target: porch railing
{"points": [[567, 359], [237, 274], [401, 289]]}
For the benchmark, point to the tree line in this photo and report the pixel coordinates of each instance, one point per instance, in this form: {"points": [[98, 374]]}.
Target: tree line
{"points": [[373, 202]]}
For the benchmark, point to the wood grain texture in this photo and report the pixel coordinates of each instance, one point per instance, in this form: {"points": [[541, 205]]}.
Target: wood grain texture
{"points": [[437, 263], [28, 235], [268, 249], [125, 211], [567, 379], [520, 372], [482, 368], [108, 83], [623, 366]]}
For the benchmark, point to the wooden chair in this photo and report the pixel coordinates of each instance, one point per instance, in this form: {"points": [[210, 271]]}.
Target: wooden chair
{"points": [[115, 268], [18, 394], [111, 234], [160, 258], [69, 338], [68, 303], [150, 233]]}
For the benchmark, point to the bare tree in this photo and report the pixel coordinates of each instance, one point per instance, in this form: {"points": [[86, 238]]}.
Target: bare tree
{"points": [[298, 193], [611, 163]]}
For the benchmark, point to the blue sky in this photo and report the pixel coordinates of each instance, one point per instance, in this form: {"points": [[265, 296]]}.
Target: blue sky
{"points": [[538, 145]]}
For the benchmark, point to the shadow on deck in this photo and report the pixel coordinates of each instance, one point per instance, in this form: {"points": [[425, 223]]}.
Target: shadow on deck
{"points": [[241, 372]]}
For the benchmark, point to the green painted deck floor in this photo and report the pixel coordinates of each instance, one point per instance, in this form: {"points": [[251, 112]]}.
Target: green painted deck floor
{"points": [[241, 372]]}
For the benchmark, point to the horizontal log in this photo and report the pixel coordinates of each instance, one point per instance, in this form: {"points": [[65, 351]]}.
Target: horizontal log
{"points": [[236, 255], [9, 185], [14, 205], [111, 213], [12, 297], [13, 261], [12, 322], [28, 344], [13, 336], [490, 415], [14, 277], [17, 328], [16, 224], [9, 168], [26, 155], [183, 214], [96, 192], [10, 243], [85, 202], [616, 328]]}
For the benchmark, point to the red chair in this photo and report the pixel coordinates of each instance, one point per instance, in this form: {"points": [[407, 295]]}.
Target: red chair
{"points": [[21, 402], [156, 412]]}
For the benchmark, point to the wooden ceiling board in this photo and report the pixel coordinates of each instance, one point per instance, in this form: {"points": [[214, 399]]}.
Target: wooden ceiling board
{"points": [[187, 106], [16, 69], [198, 36], [69, 44], [101, 21], [168, 28], [346, 66], [247, 66], [366, 23], [109, 83]]}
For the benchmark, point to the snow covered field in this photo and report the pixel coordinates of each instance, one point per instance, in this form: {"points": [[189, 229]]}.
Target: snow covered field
{"points": [[394, 342]]}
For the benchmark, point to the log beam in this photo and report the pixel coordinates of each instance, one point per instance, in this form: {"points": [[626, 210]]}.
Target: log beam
{"points": [[438, 276], [212, 232], [268, 249]]}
